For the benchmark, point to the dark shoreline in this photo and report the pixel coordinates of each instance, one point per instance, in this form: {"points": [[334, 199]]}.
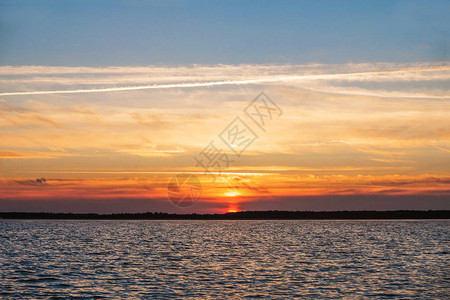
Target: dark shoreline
{"points": [[244, 215]]}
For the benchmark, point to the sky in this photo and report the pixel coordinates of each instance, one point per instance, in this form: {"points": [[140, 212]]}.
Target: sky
{"points": [[103, 103]]}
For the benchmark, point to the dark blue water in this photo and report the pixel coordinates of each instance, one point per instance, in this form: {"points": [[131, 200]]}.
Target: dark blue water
{"points": [[225, 259]]}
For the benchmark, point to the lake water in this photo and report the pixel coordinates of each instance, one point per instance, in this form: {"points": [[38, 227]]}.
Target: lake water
{"points": [[224, 259]]}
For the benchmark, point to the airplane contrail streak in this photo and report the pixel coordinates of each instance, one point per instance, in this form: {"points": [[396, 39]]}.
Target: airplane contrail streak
{"points": [[146, 87], [219, 83]]}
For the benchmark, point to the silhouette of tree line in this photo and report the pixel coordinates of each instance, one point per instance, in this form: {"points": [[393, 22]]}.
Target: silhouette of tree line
{"points": [[243, 215]]}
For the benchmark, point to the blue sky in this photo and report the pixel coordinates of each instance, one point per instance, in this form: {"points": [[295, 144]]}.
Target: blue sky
{"points": [[99, 33]]}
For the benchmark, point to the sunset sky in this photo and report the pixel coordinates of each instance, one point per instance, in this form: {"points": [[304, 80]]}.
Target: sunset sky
{"points": [[103, 102]]}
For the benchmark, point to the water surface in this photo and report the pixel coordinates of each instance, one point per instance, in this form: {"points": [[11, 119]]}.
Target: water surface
{"points": [[224, 259]]}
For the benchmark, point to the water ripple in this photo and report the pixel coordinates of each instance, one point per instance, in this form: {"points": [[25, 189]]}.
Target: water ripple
{"points": [[224, 259]]}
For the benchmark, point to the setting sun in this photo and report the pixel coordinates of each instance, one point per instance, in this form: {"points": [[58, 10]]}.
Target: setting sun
{"points": [[232, 194]]}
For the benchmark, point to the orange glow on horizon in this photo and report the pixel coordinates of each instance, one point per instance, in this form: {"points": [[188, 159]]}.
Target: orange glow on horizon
{"points": [[277, 185]]}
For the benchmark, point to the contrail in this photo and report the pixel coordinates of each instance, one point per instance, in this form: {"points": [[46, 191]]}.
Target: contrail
{"points": [[148, 87], [219, 83]]}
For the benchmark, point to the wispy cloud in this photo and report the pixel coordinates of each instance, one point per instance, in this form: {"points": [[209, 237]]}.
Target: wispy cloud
{"points": [[352, 129], [169, 75]]}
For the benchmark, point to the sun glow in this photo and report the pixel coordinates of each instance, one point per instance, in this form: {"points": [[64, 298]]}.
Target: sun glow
{"points": [[232, 194]]}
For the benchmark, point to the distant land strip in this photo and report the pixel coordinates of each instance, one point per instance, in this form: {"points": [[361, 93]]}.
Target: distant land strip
{"points": [[243, 215]]}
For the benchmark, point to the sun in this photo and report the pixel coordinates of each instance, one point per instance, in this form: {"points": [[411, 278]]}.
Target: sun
{"points": [[232, 194], [233, 210]]}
